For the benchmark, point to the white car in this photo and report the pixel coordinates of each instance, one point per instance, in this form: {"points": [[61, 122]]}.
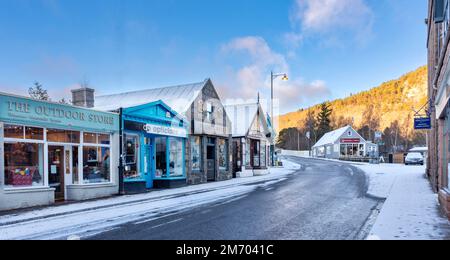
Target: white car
{"points": [[414, 159]]}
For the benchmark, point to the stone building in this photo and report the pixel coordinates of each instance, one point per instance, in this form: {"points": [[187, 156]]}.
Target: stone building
{"points": [[438, 22], [208, 148]]}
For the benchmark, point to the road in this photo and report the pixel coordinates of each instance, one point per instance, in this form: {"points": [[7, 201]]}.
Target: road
{"points": [[324, 200]]}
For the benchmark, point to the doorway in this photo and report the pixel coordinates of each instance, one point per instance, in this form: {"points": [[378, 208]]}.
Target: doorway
{"points": [[211, 159], [62, 168], [56, 162]]}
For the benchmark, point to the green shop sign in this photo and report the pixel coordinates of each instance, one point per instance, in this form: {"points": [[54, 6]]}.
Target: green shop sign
{"points": [[47, 114]]}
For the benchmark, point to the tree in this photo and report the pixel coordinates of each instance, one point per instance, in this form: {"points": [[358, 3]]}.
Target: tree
{"points": [[324, 120], [371, 123], [310, 126], [38, 92]]}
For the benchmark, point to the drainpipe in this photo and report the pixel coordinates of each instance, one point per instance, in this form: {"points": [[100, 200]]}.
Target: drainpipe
{"points": [[121, 166]]}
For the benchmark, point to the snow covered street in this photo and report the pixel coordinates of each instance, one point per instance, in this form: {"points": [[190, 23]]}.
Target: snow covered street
{"points": [[83, 220]]}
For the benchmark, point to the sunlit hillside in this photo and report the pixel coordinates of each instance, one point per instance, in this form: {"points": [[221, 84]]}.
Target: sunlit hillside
{"points": [[392, 101]]}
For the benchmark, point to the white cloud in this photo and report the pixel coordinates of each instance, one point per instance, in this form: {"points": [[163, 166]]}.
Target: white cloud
{"points": [[253, 77], [333, 20]]}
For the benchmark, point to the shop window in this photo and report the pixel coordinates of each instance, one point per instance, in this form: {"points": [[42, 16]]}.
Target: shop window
{"points": [[63, 136], [247, 153], [96, 164], [14, 131], [343, 150], [24, 164], [263, 154], [161, 157], [256, 153], [223, 154], [176, 157], [131, 158], [75, 161], [92, 138], [34, 133], [196, 154], [89, 138]]}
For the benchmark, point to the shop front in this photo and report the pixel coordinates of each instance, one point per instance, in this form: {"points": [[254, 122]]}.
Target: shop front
{"points": [[154, 144], [252, 140], [52, 152]]}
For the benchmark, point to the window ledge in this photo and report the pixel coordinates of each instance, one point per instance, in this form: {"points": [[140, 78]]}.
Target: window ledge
{"points": [[27, 189]]}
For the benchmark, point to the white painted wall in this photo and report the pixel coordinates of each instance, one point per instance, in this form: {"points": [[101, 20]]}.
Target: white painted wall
{"points": [[295, 153]]}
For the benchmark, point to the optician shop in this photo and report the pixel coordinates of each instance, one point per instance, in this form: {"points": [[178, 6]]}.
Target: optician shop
{"points": [[51, 152], [154, 144]]}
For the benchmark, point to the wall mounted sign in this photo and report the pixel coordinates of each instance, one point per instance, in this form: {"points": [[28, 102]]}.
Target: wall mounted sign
{"points": [[422, 123], [156, 129], [31, 111], [350, 140]]}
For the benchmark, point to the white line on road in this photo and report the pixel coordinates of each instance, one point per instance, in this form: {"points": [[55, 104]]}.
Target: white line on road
{"points": [[167, 223]]}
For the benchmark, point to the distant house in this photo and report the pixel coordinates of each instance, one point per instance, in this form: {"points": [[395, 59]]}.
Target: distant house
{"points": [[344, 143]]}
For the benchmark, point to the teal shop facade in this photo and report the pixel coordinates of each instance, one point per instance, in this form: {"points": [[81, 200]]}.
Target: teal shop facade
{"points": [[153, 147], [51, 152]]}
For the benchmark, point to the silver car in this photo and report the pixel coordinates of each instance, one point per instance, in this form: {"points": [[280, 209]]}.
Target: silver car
{"points": [[414, 159]]}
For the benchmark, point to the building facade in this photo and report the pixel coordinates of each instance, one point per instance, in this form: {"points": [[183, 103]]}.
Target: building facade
{"points": [[252, 140], [346, 144], [208, 146], [438, 160], [51, 152], [153, 146]]}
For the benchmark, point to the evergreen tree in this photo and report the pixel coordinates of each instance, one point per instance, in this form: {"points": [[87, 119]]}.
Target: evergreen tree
{"points": [[324, 120], [38, 92]]}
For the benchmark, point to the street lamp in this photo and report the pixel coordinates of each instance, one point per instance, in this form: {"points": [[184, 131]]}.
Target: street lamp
{"points": [[273, 76]]}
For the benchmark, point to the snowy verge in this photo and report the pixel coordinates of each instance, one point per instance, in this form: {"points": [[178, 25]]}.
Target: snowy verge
{"points": [[88, 218]]}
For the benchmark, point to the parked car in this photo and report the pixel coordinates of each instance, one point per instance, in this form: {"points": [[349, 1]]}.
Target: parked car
{"points": [[414, 159]]}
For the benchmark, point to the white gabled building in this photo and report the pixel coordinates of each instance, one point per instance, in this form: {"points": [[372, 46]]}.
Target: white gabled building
{"points": [[252, 138], [344, 143]]}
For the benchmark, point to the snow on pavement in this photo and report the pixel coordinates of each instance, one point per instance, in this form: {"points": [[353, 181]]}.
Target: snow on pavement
{"points": [[411, 210], [90, 218]]}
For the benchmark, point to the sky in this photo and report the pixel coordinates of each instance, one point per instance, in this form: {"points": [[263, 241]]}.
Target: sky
{"points": [[329, 48]]}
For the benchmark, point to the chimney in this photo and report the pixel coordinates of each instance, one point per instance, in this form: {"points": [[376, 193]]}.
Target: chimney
{"points": [[83, 97]]}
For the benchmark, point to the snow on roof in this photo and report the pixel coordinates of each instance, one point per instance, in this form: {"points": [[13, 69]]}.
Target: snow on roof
{"points": [[419, 149], [331, 137], [241, 116], [179, 98]]}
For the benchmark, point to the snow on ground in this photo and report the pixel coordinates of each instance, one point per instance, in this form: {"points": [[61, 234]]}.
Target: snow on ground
{"points": [[90, 218], [411, 210]]}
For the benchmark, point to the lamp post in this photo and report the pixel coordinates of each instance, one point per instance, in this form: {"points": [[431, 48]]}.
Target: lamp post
{"points": [[274, 76]]}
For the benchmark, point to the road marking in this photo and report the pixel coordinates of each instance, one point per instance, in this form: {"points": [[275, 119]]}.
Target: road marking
{"points": [[167, 223]]}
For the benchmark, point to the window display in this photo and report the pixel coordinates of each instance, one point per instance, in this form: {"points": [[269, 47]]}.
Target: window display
{"points": [[247, 153], [96, 164], [196, 146], [161, 157], [63, 136], [24, 164], [223, 154], [263, 154], [14, 131], [176, 157], [131, 158]]}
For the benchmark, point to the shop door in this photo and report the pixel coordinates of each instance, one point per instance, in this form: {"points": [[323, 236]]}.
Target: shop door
{"points": [[56, 170], [211, 162]]}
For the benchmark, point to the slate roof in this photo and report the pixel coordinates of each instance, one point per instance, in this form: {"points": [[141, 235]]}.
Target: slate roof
{"points": [[242, 116], [179, 98]]}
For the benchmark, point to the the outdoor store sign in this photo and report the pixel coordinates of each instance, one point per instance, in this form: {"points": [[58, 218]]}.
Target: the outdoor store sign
{"points": [[30, 111], [422, 123]]}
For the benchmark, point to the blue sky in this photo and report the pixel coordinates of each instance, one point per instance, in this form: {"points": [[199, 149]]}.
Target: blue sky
{"points": [[330, 48]]}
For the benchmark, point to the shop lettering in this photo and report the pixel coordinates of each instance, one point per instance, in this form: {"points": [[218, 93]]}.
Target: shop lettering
{"points": [[58, 113], [161, 130]]}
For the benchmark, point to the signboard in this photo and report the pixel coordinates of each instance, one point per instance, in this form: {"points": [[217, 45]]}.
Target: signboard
{"points": [[35, 112], [422, 123], [350, 140], [156, 129]]}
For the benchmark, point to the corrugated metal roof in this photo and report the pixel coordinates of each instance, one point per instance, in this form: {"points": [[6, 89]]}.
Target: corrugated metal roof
{"points": [[179, 98], [331, 137], [241, 116]]}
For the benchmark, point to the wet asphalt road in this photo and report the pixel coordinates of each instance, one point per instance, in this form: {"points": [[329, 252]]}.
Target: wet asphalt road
{"points": [[324, 200]]}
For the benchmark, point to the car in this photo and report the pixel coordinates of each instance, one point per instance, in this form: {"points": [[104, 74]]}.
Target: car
{"points": [[414, 159]]}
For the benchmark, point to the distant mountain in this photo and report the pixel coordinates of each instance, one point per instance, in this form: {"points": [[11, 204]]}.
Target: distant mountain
{"points": [[392, 103]]}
